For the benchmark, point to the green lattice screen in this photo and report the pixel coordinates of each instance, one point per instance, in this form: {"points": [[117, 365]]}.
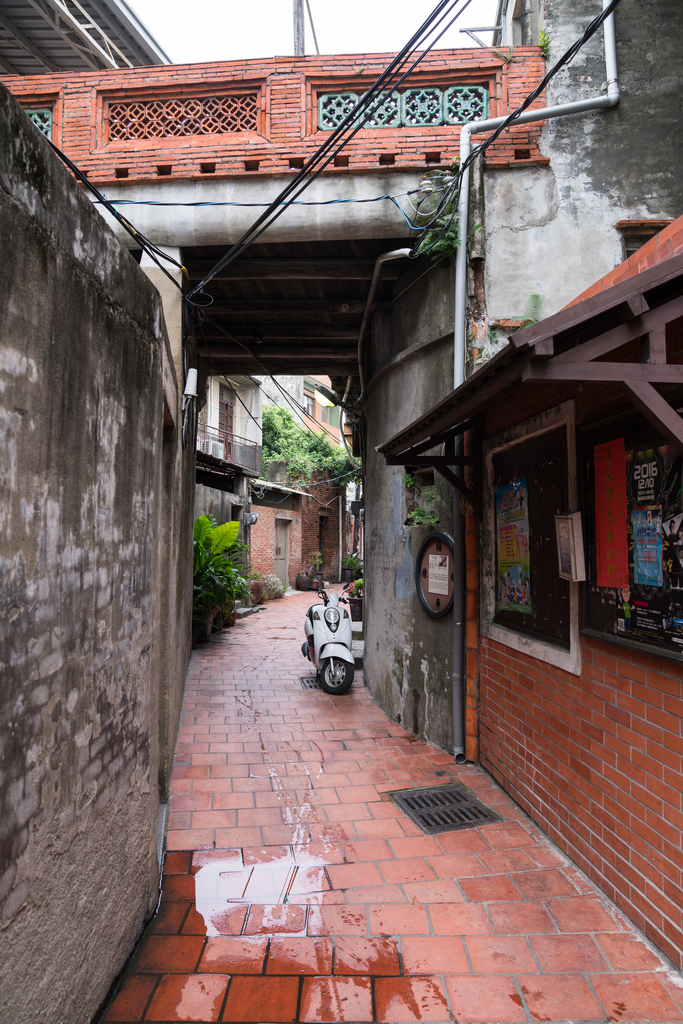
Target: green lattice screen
{"points": [[413, 108]]}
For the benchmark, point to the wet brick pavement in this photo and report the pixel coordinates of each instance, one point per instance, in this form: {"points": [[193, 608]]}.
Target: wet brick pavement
{"points": [[295, 890]]}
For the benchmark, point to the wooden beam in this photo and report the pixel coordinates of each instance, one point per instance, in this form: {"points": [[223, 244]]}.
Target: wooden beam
{"points": [[653, 319], [286, 332], [292, 270], [599, 373], [430, 461], [459, 485], [256, 305], [656, 409]]}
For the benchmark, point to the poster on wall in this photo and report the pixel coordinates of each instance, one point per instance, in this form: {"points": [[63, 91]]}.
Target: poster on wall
{"points": [[649, 604], [611, 514], [512, 530]]}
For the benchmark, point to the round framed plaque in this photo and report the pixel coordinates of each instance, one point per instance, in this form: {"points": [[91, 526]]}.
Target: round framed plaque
{"points": [[434, 574]]}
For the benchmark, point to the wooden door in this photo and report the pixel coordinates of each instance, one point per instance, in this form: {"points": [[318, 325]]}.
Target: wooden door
{"points": [[281, 554]]}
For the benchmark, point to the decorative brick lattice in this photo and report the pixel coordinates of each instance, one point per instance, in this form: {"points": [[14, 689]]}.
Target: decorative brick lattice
{"points": [[42, 119], [413, 108], [333, 108], [420, 107], [388, 115], [157, 119], [464, 105]]}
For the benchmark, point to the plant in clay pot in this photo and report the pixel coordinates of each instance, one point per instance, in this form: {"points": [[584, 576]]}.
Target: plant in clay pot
{"points": [[352, 567], [354, 596], [217, 579]]}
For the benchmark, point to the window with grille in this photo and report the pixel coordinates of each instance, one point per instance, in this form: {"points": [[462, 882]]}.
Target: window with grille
{"points": [[42, 119], [158, 119], [309, 404], [429, 106]]}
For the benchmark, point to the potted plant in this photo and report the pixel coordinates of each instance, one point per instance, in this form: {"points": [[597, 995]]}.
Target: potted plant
{"points": [[351, 565], [355, 598], [315, 560], [256, 586], [217, 580]]}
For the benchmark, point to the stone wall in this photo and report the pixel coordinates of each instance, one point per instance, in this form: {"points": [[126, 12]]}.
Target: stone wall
{"points": [[95, 564]]}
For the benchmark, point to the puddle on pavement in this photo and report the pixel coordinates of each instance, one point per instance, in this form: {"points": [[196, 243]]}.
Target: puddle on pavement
{"points": [[223, 882]]}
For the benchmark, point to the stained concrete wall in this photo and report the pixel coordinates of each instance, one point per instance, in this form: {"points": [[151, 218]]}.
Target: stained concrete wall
{"points": [[95, 582], [407, 654], [552, 230]]}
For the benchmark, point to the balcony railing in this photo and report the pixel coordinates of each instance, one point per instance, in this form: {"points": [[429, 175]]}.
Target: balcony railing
{"points": [[238, 451]]}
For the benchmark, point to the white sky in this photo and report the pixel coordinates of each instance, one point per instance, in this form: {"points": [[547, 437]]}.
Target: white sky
{"points": [[206, 30]]}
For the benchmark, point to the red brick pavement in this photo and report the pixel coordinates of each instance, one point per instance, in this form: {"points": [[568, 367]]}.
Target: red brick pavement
{"points": [[295, 890]]}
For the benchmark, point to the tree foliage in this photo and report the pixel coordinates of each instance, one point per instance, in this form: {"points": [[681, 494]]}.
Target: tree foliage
{"points": [[304, 452]]}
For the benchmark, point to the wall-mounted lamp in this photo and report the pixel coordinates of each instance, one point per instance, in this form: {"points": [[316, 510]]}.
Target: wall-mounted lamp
{"points": [[191, 384], [189, 393]]}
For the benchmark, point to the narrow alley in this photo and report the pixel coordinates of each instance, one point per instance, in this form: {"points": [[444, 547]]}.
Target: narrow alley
{"points": [[295, 889]]}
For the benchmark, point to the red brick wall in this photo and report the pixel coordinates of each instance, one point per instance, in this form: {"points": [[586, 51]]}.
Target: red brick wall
{"points": [[263, 538], [324, 500], [287, 100], [595, 759]]}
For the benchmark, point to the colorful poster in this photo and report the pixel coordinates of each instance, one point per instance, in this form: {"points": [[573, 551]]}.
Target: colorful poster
{"points": [[512, 521], [647, 546], [611, 518]]}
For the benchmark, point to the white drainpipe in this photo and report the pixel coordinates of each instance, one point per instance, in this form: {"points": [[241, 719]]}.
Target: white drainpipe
{"points": [[459, 347], [595, 103]]}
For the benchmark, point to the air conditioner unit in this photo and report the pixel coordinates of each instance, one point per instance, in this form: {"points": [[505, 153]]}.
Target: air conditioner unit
{"points": [[217, 449]]}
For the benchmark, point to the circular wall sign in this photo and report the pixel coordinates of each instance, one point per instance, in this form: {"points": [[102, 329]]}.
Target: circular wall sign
{"points": [[434, 574]]}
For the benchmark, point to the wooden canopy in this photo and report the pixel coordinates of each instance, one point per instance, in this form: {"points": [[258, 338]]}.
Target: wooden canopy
{"points": [[591, 342]]}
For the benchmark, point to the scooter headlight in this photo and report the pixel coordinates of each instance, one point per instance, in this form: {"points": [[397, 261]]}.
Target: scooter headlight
{"points": [[332, 618]]}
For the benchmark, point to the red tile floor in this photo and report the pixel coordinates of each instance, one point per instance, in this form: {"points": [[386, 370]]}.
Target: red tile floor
{"points": [[295, 890]]}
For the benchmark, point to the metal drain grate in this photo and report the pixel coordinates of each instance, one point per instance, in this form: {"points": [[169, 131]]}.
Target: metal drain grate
{"points": [[309, 682], [443, 808]]}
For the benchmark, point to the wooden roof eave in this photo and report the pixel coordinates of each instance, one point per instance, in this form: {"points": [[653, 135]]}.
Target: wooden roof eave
{"points": [[567, 347]]}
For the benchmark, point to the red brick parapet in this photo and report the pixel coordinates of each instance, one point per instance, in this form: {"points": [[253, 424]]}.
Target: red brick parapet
{"points": [[278, 121]]}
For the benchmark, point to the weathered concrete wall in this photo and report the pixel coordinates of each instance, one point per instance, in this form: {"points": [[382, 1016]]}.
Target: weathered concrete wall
{"points": [[407, 654], [94, 511], [551, 230]]}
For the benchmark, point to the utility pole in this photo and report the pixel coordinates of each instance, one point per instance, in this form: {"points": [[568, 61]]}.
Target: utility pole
{"points": [[299, 44]]}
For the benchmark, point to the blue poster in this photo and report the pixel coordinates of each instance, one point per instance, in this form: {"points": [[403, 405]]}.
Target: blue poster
{"points": [[647, 546]]}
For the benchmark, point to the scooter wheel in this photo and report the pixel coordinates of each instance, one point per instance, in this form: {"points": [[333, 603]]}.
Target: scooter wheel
{"points": [[336, 676]]}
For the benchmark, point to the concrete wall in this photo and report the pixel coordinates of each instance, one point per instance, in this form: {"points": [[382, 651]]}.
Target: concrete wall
{"points": [[407, 654], [552, 230], [95, 556]]}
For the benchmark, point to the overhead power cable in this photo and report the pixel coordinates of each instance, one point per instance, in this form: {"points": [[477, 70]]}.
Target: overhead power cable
{"points": [[451, 195], [363, 111], [152, 250]]}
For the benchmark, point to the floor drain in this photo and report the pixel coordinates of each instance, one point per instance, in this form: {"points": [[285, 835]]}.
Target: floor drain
{"points": [[443, 808], [309, 682]]}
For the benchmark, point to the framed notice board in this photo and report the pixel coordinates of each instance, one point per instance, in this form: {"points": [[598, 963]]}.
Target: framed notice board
{"points": [[434, 574], [634, 504]]}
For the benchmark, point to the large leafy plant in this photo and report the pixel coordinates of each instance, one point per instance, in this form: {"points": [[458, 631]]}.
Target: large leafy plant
{"points": [[218, 579]]}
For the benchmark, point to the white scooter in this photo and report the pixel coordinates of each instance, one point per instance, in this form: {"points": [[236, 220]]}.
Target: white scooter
{"points": [[328, 643]]}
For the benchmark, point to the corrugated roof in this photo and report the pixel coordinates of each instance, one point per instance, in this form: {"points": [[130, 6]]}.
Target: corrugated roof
{"points": [[46, 36]]}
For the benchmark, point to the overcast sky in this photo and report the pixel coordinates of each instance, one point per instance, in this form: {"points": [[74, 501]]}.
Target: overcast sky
{"points": [[204, 30]]}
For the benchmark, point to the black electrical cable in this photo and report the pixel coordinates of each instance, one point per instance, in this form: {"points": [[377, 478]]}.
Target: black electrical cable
{"points": [[354, 121], [454, 189], [149, 247]]}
